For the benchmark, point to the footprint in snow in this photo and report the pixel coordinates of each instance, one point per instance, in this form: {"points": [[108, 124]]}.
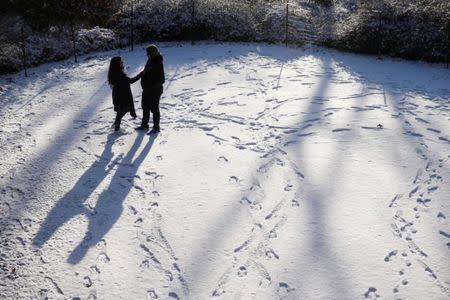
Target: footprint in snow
{"points": [[288, 187], [207, 128], [423, 202], [390, 255], [87, 282], [151, 294], [290, 131], [271, 254], [54, 285], [168, 275], [245, 200], [433, 130], [341, 129], [444, 139], [422, 120], [413, 191], [432, 189], [222, 158], [103, 257], [94, 269], [447, 235], [132, 210], [371, 293], [372, 127], [284, 289], [92, 296], [413, 134], [441, 217], [233, 179], [242, 271]]}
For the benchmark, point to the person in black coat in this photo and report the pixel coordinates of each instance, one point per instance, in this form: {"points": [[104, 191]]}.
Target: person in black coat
{"points": [[152, 88], [121, 91]]}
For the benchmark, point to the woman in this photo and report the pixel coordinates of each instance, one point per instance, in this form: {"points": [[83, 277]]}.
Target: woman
{"points": [[121, 91]]}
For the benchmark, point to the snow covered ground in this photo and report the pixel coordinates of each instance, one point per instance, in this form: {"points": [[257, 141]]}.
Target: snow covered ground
{"points": [[271, 179]]}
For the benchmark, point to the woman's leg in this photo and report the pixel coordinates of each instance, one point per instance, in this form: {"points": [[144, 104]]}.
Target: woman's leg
{"points": [[119, 117]]}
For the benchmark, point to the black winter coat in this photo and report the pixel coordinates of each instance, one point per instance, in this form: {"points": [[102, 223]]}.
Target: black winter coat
{"points": [[153, 76], [121, 93]]}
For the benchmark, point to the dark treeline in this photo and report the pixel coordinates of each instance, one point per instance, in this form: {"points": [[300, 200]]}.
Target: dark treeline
{"points": [[41, 14], [47, 30]]}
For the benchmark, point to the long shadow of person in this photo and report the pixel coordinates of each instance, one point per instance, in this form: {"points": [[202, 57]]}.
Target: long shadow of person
{"points": [[109, 204]]}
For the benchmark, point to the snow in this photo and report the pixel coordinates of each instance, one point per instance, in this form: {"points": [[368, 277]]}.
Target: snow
{"points": [[270, 179]]}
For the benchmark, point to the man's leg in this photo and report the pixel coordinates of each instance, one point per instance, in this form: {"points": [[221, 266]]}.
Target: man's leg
{"points": [[155, 111], [154, 107], [132, 110], [145, 109]]}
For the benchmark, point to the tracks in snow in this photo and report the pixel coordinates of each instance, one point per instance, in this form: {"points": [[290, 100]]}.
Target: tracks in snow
{"points": [[249, 269]]}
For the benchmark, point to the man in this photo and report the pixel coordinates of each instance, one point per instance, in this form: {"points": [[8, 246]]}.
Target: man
{"points": [[152, 87]]}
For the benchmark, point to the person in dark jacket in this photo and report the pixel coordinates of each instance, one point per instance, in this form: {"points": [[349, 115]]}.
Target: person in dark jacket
{"points": [[121, 91], [152, 88]]}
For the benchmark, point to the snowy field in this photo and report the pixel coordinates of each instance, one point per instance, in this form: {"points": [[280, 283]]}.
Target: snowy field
{"points": [[278, 174]]}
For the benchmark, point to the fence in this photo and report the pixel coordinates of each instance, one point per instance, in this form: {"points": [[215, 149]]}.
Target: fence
{"points": [[294, 22]]}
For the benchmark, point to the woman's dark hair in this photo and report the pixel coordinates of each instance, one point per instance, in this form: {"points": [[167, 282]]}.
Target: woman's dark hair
{"points": [[115, 70]]}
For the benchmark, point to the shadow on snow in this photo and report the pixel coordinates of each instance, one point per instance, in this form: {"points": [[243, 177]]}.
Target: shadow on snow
{"points": [[108, 208]]}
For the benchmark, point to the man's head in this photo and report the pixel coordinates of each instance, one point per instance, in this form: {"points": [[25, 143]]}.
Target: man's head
{"points": [[152, 51]]}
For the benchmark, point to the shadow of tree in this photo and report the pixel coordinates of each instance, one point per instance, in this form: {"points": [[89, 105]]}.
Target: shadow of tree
{"points": [[325, 260]]}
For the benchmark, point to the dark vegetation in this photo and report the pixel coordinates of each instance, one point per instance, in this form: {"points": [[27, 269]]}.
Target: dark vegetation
{"points": [[49, 30]]}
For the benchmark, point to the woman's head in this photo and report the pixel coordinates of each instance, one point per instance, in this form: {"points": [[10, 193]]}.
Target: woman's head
{"points": [[115, 70], [152, 51]]}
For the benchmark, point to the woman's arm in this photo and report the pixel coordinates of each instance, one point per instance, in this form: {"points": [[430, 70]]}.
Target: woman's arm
{"points": [[136, 78]]}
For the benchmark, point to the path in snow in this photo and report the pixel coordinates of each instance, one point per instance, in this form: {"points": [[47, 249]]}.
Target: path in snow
{"points": [[271, 179]]}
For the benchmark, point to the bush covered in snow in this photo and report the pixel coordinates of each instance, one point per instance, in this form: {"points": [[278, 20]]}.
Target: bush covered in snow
{"points": [[185, 20], [415, 29], [52, 45]]}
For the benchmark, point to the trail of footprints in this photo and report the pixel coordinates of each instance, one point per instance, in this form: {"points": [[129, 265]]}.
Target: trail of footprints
{"points": [[268, 217], [409, 209], [158, 257]]}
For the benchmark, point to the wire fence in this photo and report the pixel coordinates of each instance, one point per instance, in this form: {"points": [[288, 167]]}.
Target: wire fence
{"points": [[367, 29]]}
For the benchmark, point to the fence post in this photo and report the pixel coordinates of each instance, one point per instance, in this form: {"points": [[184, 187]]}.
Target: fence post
{"points": [[24, 53], [131, 26], [286, 24], [380, 35], [193, 22], [448, 43], [72, 32]]}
